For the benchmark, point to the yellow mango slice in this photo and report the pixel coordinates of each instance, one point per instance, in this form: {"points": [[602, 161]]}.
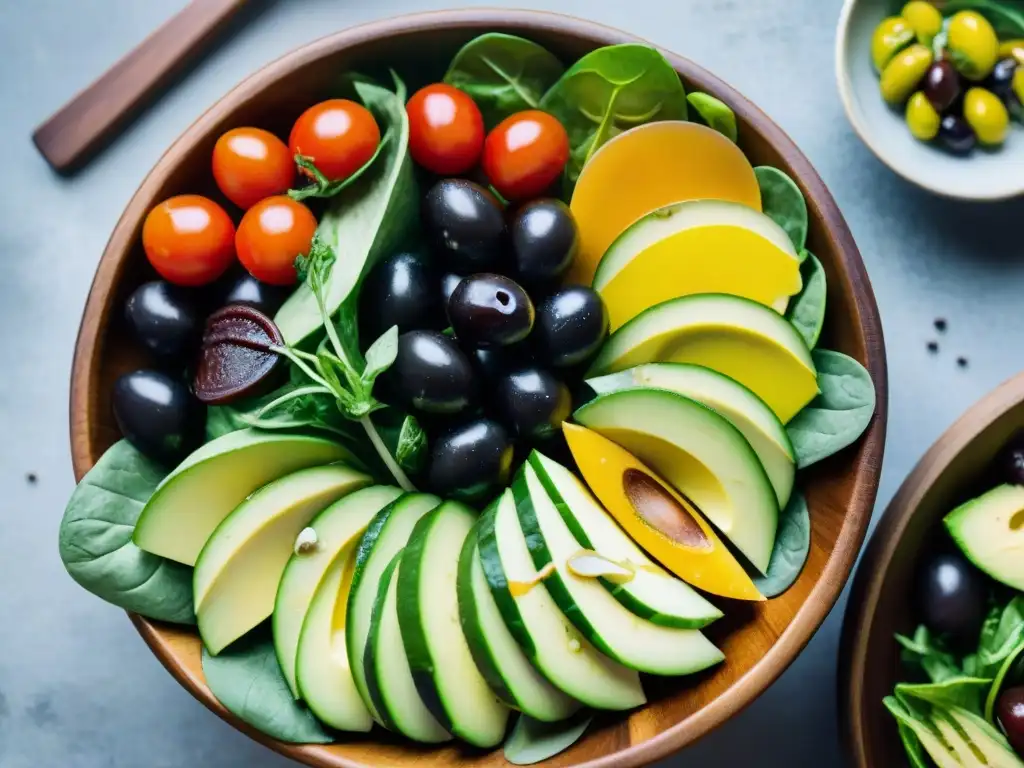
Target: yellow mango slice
{"points": [[647, 168]]}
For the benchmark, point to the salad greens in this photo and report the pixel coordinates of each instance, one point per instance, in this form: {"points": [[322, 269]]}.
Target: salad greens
{"points": [[533, 741], [783, 202], [807, 309], [715, 114], [792, 546]]}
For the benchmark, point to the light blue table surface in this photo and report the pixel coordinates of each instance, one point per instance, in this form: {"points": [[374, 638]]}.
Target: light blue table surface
{"points": [[78, 689]]}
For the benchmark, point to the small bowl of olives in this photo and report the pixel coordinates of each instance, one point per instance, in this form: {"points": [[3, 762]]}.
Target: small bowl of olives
{"points": [[938, 602], [936, 90]]}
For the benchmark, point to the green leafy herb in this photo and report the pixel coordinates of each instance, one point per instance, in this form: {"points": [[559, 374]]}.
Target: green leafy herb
{"points": [[964, 692], [783, 202], [929, 654], [411, 452], [792, 546], [807, 309], [533, 741], [839, 414], [715, 114], [380, 356], [321, 186], [504, 74], [1010, 673], [246, 678], [96, 540], [611, 90]]}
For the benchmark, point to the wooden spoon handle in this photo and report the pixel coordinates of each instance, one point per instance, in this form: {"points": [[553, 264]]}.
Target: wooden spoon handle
{"points": [[90, 118]]}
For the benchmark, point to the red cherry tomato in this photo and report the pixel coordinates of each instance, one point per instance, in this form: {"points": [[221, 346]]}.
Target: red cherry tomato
{"points": [[525, 153], [189, 240], [250, 164], [339, 135], [272, 233], [446, 129]]}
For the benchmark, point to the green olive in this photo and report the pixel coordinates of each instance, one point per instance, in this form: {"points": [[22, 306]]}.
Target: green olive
{"points": [[973, 44], [922, 119], [891, 36], [1012, 49], [1017, 85], [901, 75], [987, 115], [924, 18]]}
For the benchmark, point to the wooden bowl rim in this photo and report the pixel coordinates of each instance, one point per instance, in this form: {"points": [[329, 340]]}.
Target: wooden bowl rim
{"points": [[859, 622], [821, 205]]}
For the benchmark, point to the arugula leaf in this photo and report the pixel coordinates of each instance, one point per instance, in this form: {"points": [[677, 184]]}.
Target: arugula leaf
{"points": [[533, 741]]}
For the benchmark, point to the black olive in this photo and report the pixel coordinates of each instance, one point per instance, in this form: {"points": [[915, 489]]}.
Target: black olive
{"points": [[1000, 82], [495, 362], [545, 239], [572, 324], [953, 598], [941, 85], [1010, 460], [532, 403], [158, 415], [956, 135], [488, 310], [431, 374], [164, 318], [402, 291], [470, 461], [246, 289], [466, 225], [449, 282], [1010, 714]]}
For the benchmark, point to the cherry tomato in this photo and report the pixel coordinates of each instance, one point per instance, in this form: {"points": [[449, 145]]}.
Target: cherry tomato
{"points": [[525, 153], [250, 164], [189, 240], [446, 129], [272, 233], [339, 135]]}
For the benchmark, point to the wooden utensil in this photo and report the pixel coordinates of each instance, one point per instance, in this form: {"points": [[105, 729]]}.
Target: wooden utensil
{"points": [[92, 117]]}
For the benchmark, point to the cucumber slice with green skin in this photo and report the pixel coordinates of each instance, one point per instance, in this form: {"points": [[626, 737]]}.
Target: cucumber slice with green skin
{"points": [[428, 614], [386, 666], [652, 593], [505, 667], [547, 637], [630, 640], [385, 537]]}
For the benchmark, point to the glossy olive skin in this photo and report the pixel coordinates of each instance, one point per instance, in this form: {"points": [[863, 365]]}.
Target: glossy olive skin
{"points": [[891, 36], [956, 135], [987, 116], [952, 597], [545, 240], [1009, 462], [246, 289], [466, 225], [488, 310], [165, 318], [973, 44], [921, 117], [158, 415], [1010, 714], [532, 403], [904, 71], [401, 290], [941, 85], [493, 363], [430, 374], [1000, 82], [470, 461], [571, 326], [449, 282]]}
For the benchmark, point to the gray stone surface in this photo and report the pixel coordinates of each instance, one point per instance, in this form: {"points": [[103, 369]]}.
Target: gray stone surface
{"points": [[77, 687]]}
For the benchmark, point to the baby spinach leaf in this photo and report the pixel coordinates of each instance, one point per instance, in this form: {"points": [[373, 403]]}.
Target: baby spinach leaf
{"points": [[930, 654], [964, 692], [792, 546], [504, 74], [246, 678], [807, 309], [783, 202], [321, 186], [611, 90], [533, 741], [1001, 634], [411, 452], [715, 114], [839, 414], [96, 540]]}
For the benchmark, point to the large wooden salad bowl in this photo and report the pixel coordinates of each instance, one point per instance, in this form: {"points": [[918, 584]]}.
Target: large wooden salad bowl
{"points": [[759, 642]]}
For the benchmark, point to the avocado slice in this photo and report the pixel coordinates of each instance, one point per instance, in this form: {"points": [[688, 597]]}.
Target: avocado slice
{"points": [[990, 531], [988, 747], [938, 750]]}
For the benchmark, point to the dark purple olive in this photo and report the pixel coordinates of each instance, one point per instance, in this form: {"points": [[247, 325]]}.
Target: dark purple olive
{"points": [[545, 239], [1000, 82], [1010, 714], [953, 598], [158, 415], [956, 135], [571, 326], [1009, 462], [431, 374], [941, 85], [470, 461], [495, 362], [466, 225], [488, 310], [236, 360], [402, 291], [449, 282], [165, 319], [246, 289], [532, 403]]}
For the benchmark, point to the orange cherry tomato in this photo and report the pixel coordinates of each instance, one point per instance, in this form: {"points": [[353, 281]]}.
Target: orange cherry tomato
{"points": [[525, 153], [339, 135], [446, 129], [189, 240], [272, 233], [250, 164]]}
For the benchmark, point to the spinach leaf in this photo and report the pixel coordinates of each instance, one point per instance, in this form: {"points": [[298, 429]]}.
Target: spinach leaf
{"points": [[611, 90], [792, 546], [839, 414], [807, 309], [783, 202], [96, 540], [246, 678], [930, 654], [715, 114], [964, 692], [1007, 18], [533, 741], [411, 451], [504, 74], [1001, 634], [321, 186]]}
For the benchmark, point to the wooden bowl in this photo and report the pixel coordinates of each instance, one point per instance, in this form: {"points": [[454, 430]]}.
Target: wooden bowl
{"points": [[951, 472], [760, 641]]}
